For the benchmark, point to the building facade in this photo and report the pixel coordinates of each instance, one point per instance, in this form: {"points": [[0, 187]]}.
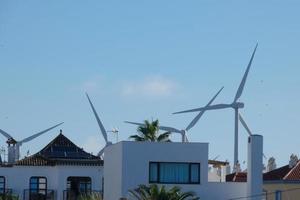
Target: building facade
{"points": [[129, 164], [59, 171]]}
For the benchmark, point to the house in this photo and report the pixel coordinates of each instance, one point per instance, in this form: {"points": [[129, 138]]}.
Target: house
{"points": [[61, 170], [283, 183], [278, 184]]}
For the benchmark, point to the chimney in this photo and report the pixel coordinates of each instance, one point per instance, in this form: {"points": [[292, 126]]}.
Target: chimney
{"points": [[255, 167]]}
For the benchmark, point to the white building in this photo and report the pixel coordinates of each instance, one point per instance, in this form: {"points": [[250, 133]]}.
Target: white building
{"points": [[129, 164], [63, 171], [59, 171]]}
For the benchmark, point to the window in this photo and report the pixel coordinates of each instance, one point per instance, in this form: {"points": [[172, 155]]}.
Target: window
{"points": [[174, 173], [278, 195], [2, 184], [38, 185], [79, 184]]}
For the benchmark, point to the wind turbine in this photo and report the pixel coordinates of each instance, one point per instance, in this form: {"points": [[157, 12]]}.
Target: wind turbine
{"points": [[102, 129], [247, 128], [191, 124], [236, 105], [14, 145]]}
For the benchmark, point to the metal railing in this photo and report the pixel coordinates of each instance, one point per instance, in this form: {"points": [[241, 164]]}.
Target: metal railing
{"points": [[73, 195], [38, 194]]}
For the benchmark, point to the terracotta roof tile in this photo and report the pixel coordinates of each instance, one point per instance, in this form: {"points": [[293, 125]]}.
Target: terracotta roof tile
{"points": [[277, 174], [294, 174], [237, 177]]}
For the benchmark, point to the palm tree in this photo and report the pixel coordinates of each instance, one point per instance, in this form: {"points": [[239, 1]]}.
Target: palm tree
{"points": [[153, 192], [150, 132]]}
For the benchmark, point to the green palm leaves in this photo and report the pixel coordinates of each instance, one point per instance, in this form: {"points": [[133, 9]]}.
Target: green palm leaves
{"points": [[154, 192], [149, 131]]}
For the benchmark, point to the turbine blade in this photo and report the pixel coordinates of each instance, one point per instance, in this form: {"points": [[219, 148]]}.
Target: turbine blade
{"points": [[186, 139], [169, 129], [264, 156], [196, 119], [211, 107], [102, 129], [5, 134], [134, 123], [163, 128], [244, 124], [38, 134], [242, 84], [101, 152]]}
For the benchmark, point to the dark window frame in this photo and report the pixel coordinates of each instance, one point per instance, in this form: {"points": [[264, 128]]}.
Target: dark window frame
{"points": [[87, 183], [2, 190], [181, 183], [38, 184]]}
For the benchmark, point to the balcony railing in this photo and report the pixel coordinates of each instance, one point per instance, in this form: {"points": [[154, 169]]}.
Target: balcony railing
{"points": [[38, 194], [72, 195]]}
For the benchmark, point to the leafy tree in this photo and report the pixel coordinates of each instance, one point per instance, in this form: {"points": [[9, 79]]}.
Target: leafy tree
{"points": [[154, 192], [149, 131]]}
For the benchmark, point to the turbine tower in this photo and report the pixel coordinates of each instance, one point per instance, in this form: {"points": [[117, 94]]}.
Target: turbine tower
{"points": [[236, 105], [102, 129], [14, 145], [191, 125]]}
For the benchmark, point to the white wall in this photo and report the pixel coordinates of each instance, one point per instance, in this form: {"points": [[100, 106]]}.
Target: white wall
{"points": [[17, 177], [126, 166]]}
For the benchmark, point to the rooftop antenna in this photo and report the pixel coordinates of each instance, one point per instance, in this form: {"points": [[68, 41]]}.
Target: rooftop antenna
{"points": [[101, 127], [116, 132], [191, 124], [236, 105], [14, 145]]}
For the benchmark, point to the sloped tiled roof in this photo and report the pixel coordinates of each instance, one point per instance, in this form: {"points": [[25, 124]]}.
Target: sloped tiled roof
{"points": [[294, 174], [61, 151], [284, 173], [277, 174], [237, 177]]}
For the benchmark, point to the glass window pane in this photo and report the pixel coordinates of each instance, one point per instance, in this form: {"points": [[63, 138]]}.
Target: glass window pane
{"points": [[174, 173], [195, 173], [42, 186], [42, 180], [33, 180], [153, 172]]}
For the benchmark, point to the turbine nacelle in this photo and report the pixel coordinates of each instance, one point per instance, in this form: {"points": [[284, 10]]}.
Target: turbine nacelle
{"points": [[237, 105], [11, 141]]}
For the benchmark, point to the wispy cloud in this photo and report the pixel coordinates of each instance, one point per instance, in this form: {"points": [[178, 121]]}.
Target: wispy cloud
{"points": [[90, 85], [154, 86], [92, 144]]}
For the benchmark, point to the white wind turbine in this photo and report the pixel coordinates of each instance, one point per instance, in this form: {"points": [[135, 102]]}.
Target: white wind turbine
{"points": [[236, 105], [247, 128], [191, 125], [14, 145], [102, 129]]}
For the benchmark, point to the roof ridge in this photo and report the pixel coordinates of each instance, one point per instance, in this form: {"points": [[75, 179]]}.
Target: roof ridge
{"points": [[293, 168]]}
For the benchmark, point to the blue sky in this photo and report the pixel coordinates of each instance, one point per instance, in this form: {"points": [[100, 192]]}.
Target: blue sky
{"points": [[146, 59]]}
